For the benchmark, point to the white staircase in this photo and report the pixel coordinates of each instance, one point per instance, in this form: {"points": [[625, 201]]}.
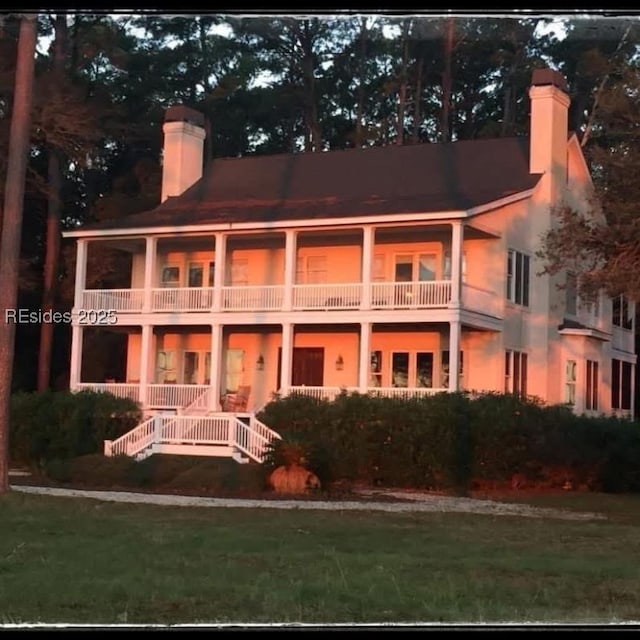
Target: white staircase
{"points": [[196, 431]]}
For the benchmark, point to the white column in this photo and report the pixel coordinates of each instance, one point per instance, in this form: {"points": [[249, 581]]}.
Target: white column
{"points": [[367, 258], [456, 263], [286, 355], [365, 350], [81, 273], [215, 367], [145, 361], [149, 272], [219, 273], [454, 354], [289, 268], [76, 356]]}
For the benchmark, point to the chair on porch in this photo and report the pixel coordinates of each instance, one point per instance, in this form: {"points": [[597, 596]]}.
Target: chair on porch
{"points": [[236, 402]]}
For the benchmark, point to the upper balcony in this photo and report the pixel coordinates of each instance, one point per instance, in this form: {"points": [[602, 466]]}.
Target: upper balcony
{"points": [[398, 268], [434, 294]]}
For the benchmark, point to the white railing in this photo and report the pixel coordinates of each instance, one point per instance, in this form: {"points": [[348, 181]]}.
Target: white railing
{"points": [[134, 441], [200, 405], [173, 396], [482, 300], [120, 390], [622, 339], [253, 438], [319, 393], [407, 295], [327, 296], [116, 299], [405, 392], [250, 298], [187, 299]]}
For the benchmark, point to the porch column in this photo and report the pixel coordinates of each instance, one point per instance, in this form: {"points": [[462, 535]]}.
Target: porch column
{"points": [[365, 350], [367, 258], [219, 273], [286, 357], [145, 357], [81, 274], [215, 366], [77, 333], [456, 263], [454, 354], [289, 268], [149, 273]]}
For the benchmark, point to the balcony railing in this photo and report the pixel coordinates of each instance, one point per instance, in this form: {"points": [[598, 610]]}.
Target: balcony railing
{"points": [[304, 297]]}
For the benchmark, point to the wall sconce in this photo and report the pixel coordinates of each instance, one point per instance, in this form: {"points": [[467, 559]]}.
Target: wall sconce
{"points": [[339, 363], [260, 363]]}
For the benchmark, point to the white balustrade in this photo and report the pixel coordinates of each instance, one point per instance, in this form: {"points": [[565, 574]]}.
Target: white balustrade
{"points": [[408, 295], [116, 299], [327, 296], [253, 298], [186, 299]]}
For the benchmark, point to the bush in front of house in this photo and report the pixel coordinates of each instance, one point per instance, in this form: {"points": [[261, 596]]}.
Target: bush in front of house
{"points": [[59, 425], [447, 440]]}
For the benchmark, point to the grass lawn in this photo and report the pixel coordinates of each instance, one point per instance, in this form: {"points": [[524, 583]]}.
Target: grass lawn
{"points": [[76, 560]]}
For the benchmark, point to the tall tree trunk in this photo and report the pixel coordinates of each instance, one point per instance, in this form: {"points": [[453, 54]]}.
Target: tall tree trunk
{"points": [[402, 90], [12, 228], [310, 99], [447, 82], [52, 251], [417, 103], [361, 80]]}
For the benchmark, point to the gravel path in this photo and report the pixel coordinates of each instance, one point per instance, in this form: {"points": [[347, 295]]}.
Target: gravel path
{"points": [[413, 502]]}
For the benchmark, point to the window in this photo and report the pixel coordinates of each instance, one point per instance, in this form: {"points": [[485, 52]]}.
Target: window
{"points": [[570, 382], [622, 312], [311, 270], [415, 268], [518, 277], [400, 369], [235, 367], [515, 372], [621, 378], [190, 367], [378, 268], [196, 273], [571, 294], [591, 386], [375, 369], [424, 370], [170, 276], [165, 367], [444, 370], [239, 272], [212, 274]]}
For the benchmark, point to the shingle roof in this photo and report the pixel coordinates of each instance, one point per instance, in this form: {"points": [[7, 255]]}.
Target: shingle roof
{"points": [[394, 179]]}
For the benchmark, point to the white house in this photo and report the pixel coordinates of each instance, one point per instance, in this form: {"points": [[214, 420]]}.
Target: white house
{"points": [[379, 270]]}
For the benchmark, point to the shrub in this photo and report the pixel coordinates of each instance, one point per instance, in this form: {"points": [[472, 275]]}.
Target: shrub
{"points": [[59, 425]]}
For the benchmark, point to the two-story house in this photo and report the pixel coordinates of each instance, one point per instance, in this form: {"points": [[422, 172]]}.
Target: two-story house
{"points": [[380, 270]]}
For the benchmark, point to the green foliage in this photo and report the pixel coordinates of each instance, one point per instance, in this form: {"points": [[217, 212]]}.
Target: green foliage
{"points": [[447, 440], [60, 425]]}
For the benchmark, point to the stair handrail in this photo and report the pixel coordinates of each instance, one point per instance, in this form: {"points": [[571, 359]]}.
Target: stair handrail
{"points": [[252, 439]]}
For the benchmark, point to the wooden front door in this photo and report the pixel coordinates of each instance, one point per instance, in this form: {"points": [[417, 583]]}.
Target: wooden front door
{"points": [[307, 367]]}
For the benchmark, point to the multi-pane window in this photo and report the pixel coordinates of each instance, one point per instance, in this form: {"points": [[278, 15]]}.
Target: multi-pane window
{"points": [[518, 277], [170, 276], [622, 312], [621, 379], [515, 372], [570, 382], [375, 371], [196, 274], [591, 386], [311, 270]]}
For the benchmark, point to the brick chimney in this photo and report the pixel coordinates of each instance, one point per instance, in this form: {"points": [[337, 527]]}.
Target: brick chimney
{"points": [[550, 101], [182, 162]]}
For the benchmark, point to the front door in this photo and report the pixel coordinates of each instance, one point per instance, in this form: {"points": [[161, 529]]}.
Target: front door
{"points": [[307, 366]]}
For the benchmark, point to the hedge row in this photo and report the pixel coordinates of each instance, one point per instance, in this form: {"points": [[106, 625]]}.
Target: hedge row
{"points": [[60, 425], [451, 440]]}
